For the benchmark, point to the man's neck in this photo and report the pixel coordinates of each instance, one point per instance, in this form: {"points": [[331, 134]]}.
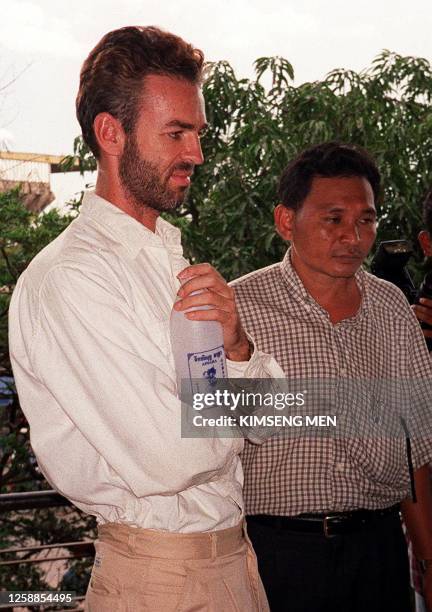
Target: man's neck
{"points": [[340, 297], [115, 194]]}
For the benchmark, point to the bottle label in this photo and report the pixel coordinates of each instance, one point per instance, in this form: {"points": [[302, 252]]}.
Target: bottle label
{"points": [[207, 365]]}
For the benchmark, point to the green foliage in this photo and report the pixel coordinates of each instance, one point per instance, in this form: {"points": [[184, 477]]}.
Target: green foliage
{"points": [[81, 157], [22, 235], [45, 526]]}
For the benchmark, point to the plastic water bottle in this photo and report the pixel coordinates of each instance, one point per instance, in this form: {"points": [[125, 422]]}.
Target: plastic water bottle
{"points": [[198, 348]]}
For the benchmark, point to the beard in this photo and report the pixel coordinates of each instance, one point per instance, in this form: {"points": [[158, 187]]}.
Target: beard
{"points": [[143, 182]]}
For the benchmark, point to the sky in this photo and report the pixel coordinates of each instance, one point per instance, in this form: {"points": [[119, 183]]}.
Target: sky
{"points": [[44, 42]]}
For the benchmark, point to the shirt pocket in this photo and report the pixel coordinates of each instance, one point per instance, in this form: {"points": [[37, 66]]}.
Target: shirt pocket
{"points": [[102, 596]]}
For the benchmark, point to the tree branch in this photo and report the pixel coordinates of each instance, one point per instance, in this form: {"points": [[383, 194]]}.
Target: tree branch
{"points": [[8, 264]]}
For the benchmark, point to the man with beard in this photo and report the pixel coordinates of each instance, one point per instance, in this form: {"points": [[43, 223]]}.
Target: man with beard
{"points": [[90, 346], [323, 511]]}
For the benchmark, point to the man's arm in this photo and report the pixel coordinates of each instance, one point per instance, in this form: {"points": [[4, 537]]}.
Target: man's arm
{"points": [[108, 389], [418, 520], [418, 516], [423, 312], [106, 406]]}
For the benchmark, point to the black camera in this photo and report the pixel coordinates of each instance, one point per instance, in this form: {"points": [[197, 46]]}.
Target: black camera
{"points": [[389, 263]]}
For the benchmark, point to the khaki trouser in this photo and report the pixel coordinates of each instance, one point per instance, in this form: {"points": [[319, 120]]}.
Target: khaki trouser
{"points": [[137, 570]]}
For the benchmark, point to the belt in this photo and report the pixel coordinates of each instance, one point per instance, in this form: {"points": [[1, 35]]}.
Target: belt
{"points": [[170, 545], [332, 523]]}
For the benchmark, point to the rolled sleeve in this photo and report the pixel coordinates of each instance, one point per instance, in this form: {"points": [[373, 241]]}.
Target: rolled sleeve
{"points": [[260, 365]]}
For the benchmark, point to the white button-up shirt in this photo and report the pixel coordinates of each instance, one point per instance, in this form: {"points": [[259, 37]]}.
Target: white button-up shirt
{"points": [[91, 354]]}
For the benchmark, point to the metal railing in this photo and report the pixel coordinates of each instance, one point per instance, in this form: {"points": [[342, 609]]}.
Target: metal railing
{"points": [[31, 500], [62, 551], [78, 550]]}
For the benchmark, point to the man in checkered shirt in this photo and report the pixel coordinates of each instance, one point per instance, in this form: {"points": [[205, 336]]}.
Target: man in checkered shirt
{"points": [[323, 512]]}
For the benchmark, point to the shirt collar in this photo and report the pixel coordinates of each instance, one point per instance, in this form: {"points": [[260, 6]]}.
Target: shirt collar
{"points": [[299, 293], [131, 233]]}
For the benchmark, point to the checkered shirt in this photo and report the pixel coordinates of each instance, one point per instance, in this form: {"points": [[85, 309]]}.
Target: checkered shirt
{"points": [[293, 475]]}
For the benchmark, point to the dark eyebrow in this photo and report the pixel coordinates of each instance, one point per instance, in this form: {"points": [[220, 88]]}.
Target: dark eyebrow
{"points": [[185, 126], [336, 209]]}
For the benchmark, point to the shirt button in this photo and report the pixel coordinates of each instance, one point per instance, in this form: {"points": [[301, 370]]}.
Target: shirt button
{"points": [[343, 371], [339, 466]]}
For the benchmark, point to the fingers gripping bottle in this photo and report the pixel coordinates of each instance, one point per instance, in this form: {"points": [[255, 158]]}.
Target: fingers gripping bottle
{"points": [[198, 348]]}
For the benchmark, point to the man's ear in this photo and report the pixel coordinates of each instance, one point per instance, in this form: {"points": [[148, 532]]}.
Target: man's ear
{"points": [[284, 220], [109, 134], [425, 243]]}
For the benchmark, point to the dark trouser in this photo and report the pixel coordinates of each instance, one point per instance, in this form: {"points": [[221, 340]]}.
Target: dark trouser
{"points": [[366, 571]]}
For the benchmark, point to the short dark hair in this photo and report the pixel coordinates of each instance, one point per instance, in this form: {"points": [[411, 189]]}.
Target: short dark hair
{"points": [[326, 160], [112, 76], [427, 212]]}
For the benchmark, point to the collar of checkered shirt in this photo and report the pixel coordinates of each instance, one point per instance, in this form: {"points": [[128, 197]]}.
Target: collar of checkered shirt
{"points": [[306, 301]]}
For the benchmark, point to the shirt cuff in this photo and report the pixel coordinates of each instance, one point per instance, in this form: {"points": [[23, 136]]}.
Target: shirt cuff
{"points": [[260, 365]]}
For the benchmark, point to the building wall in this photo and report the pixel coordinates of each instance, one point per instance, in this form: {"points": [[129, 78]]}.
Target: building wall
{"points": [[25, 171]]}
